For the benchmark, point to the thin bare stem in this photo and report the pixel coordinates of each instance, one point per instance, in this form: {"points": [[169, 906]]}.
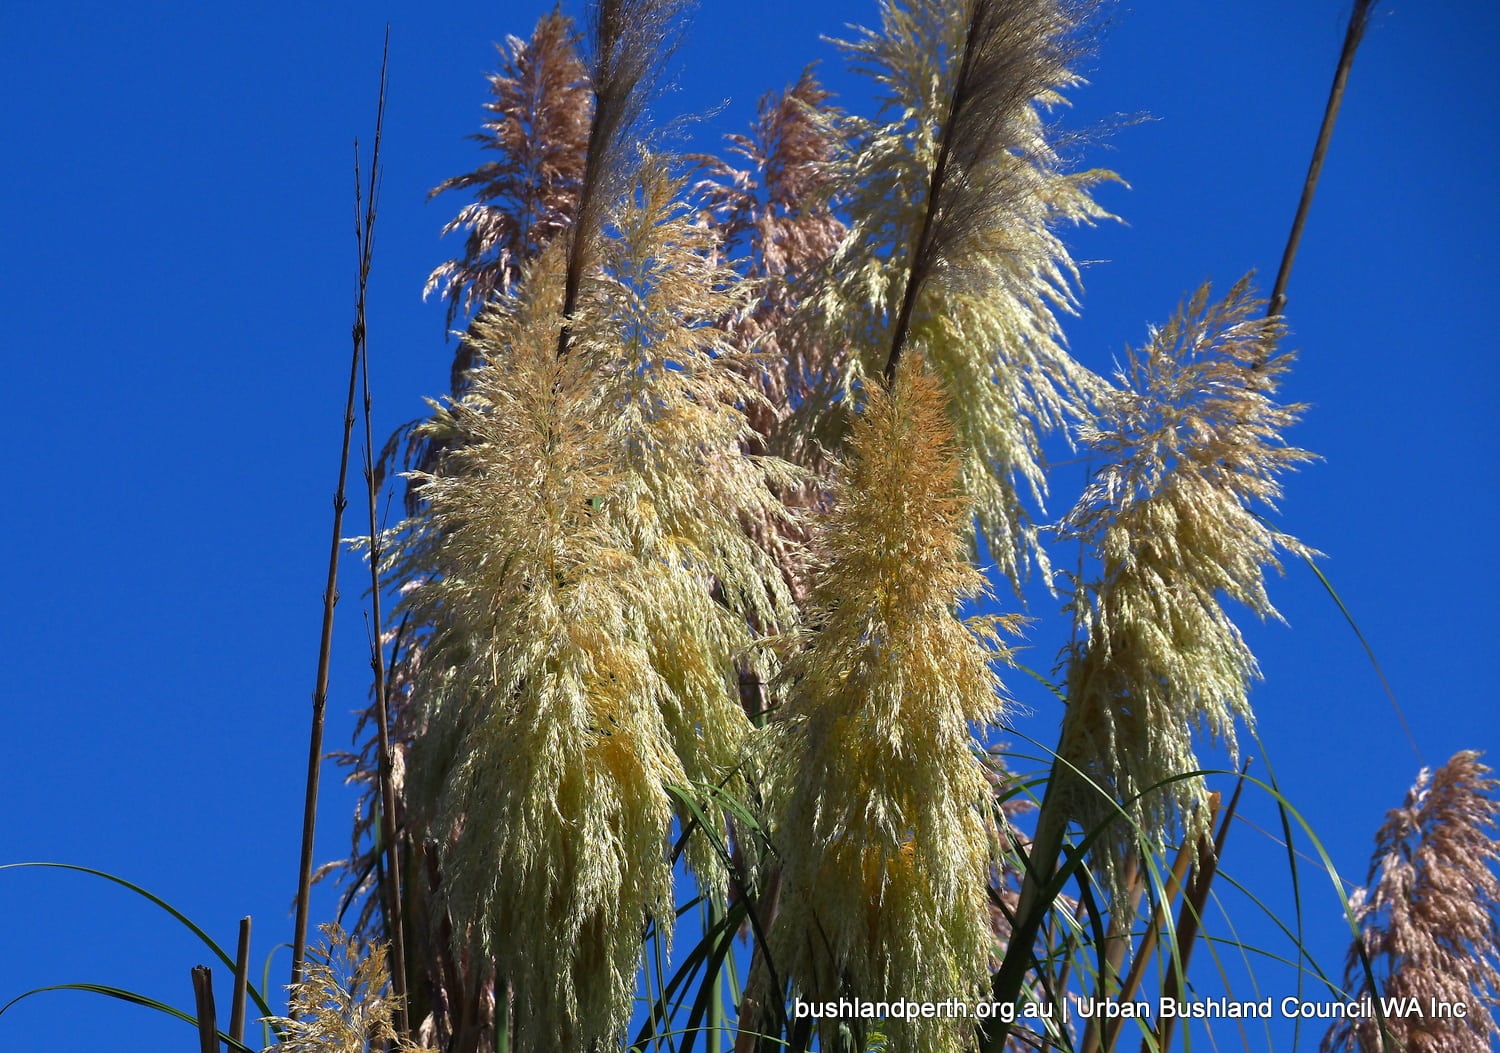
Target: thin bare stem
{"points": [[320, 688], [918, 268], [631, 43], [1116, 944], [1175, 882], [1041, 868], [203, 1003], [391, 885], [241, 983], [1359, 19], [1190, 916]]}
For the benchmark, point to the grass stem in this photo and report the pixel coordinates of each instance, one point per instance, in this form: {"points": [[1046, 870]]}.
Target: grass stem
{"points": [[241, 983], [203, 1003], [391, 883], [1359, 19]]}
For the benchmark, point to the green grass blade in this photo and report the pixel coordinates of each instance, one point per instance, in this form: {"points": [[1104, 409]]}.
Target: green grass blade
{"points": [[134, 999], [208, 942]]}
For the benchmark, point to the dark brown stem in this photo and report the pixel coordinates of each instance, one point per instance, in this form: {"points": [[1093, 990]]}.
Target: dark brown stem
{"points": [[203, 1004], [1116, 943], [241, 983], [917, 270], [320, 686], [502, 1012], [1041, 868], [754, 1016], [1359, 19], [588, 189], [451, 979], [391, 883]]}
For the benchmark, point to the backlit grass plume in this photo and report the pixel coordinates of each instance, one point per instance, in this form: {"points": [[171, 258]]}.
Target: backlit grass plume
{"points": [[630, 43], [775, 216], [588, 585], [954, 193], [1191, 441], [526, 196], [675, 393], [775, 220], [343, 1003], [545, 755], [884, 814], [1430, 919]]}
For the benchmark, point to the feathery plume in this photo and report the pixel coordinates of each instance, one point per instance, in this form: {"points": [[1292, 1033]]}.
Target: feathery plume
{"points": [[545, 757], [1192, 440], [883, 812], [774, 217], [955, 195], [343, 1003], [588, 586], [1430, 918], [675, 391], [631, 41], [776, 214], [526, 197]]}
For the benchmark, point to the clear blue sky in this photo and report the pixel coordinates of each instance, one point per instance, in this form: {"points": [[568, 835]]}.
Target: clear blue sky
{"points": [[177, 258]]}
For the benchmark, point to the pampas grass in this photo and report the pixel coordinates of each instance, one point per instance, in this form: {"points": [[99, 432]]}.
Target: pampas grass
{"points": [[1429, 918], [955, 192], [1191, 443], [343, 1002], [881, 796]]}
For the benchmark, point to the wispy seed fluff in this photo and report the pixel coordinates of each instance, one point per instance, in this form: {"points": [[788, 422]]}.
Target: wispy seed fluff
{"points": [[543, 767], [1429, 922], [1191, 441], [882, 814], [673, 393], [957, 192], [588, 585]]}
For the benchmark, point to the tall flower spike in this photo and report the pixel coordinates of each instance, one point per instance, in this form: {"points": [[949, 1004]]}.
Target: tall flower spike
{"points": [[590, 585], [1430, 920], [546, 756], [775, 218], [777, 215], [631, 41], [525, 198], [674, 392], [952, 250], [539, 127], [1191, 440], [883, 815]]}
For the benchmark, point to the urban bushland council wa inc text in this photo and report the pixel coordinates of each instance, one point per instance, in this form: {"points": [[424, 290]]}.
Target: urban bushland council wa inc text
{"points": [[1291, 1007]]}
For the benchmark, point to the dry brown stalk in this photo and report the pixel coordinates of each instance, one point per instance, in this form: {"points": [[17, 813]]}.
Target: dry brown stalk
{"points": [[241, 983], [1190, 916], [1359, 18], [631, 41], [365, 213], [1175, 881], [1116, 946], [320, 687], [203, 1002]]}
